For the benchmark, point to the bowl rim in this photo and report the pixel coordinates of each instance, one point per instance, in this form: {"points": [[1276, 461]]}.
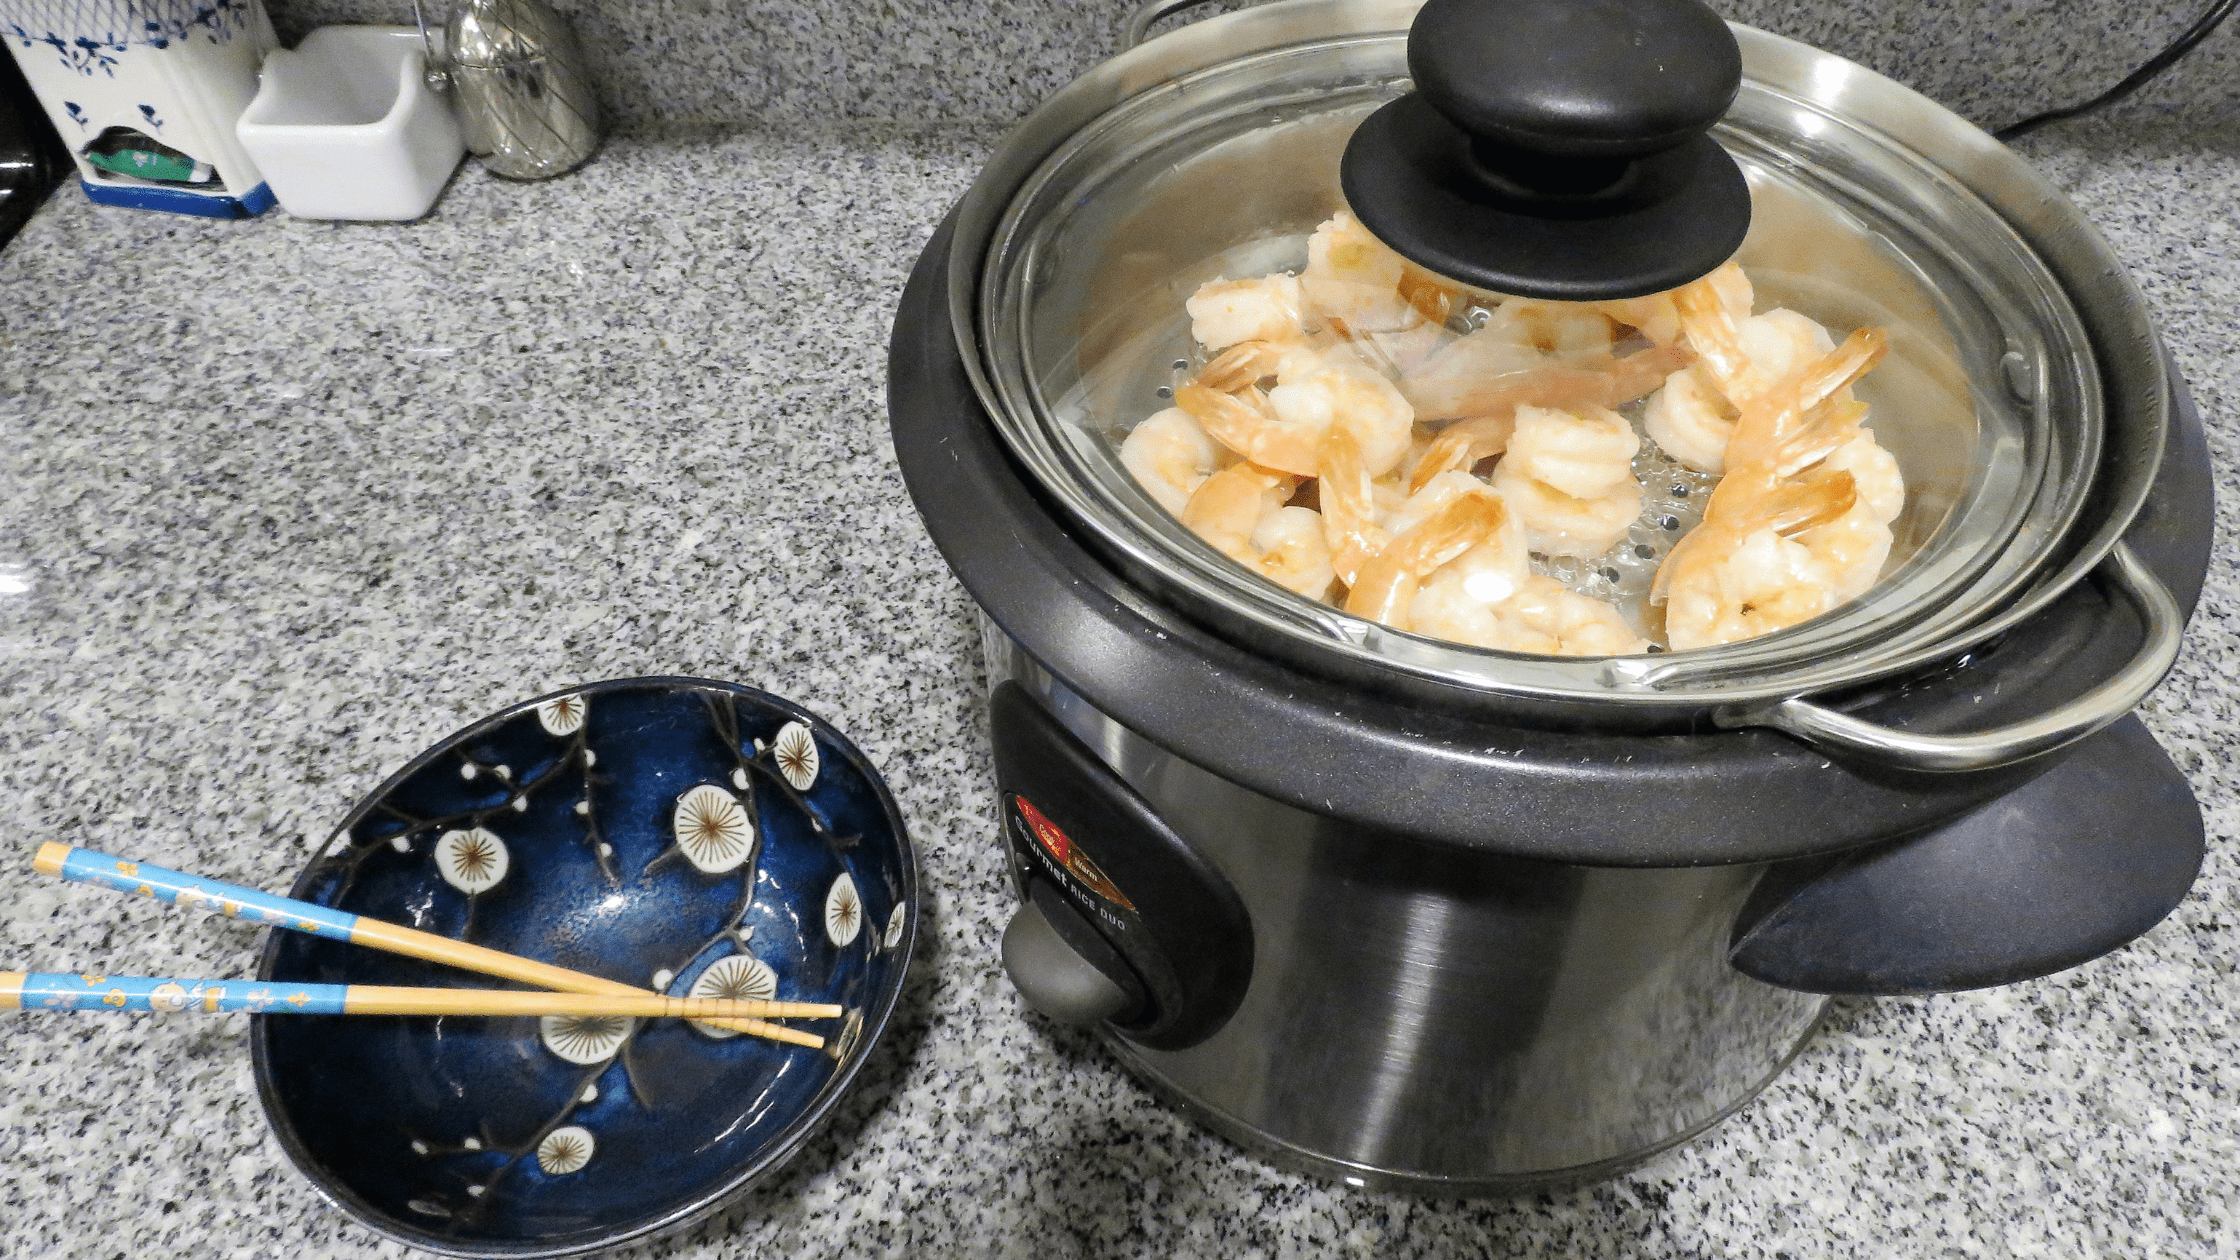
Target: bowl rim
{"points": [[878, 1012]]}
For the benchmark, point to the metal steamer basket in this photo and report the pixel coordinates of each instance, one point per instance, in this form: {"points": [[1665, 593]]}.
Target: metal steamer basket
{"points": [[1427, 916]]}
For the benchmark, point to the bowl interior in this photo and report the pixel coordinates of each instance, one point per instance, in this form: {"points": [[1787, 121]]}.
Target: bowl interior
{"points": [[603, 829]]}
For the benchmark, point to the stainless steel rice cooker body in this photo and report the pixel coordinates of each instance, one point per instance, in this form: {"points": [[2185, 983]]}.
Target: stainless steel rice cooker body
{"points": [[1461, 930]]}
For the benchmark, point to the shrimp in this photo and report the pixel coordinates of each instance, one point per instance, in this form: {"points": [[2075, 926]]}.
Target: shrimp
{"points": [[1391, 579], [1564, 329], [1762, 583], [1292, 552], [1240, 511], [1471, 600], [1655, 317], [1542, 616], [1692, 418], [1569, 475], [1710, 325], [1393, 312], [1561, 525], [1855, 546], [1229, 506], [1779, 437], [1781, 341], [1585, 452], [1313, 392], [1170, 456], [1567, 623], [1743, 574], [1225, 312], [1457, 600], [1733, 289], [1354, 277]]}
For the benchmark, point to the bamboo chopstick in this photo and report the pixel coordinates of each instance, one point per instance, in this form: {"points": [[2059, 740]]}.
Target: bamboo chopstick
{"points": [[102, 870], [90, 991]]}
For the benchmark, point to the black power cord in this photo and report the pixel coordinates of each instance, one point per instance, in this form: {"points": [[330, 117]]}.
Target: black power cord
{"points": [[2160, 62]]}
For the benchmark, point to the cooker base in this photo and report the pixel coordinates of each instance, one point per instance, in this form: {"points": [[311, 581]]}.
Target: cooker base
{"points": [[1293, 1158], [1417, 1017]]}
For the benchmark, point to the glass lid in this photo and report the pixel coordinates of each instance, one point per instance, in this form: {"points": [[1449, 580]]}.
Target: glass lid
{"points": [[1094, 317]]}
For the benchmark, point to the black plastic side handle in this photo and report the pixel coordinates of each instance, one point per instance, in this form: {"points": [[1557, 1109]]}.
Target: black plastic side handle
{"points": [[2075, 864]]}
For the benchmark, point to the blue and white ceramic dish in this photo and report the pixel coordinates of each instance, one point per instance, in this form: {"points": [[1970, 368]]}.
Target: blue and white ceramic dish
{"points": [[691, 837]]}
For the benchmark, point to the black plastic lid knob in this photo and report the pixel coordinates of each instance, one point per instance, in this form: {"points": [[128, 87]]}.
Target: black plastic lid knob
{"points": [[1592, 78], [1558, 148], [1063, 966]]}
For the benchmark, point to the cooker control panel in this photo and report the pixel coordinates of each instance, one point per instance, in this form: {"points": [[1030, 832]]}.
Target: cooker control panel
{"points": [[1092, 856]]}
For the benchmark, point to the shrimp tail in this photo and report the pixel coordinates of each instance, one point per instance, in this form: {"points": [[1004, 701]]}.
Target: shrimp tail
{"points": [[1431, 299], [1827, 427], [1462, 444], [1244, 423], [1810, 501], [1681, 557], [1390, 578], [1708, 328], [1348, 502], [1772, 420], [1245, 363]]}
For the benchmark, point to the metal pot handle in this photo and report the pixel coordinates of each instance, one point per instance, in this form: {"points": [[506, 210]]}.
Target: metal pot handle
{"points": [[1985, 750], [1147, 14]]}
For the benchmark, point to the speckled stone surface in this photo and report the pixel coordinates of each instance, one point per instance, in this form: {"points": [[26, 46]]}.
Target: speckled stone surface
{"points": [[283, 502], [745, 61]]}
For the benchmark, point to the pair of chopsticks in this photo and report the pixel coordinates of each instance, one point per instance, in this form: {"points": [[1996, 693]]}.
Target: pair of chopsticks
{"points": [[578, 994]]}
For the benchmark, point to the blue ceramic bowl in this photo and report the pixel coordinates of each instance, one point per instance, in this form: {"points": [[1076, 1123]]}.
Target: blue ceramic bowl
{"points": [[693, 837]]}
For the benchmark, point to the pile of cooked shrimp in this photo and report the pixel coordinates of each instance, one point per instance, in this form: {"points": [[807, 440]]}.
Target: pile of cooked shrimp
{"points": [[1372, 436]]}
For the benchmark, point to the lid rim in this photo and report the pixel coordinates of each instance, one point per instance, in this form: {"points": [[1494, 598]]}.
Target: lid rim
{"points": [[1822, 80]]}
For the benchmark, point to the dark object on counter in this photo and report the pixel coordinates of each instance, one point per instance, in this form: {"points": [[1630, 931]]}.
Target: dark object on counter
{"points": [[1512, 918], [693, 837], [2202, 28], [32, 160], [1485, 939], [1558, 148]]}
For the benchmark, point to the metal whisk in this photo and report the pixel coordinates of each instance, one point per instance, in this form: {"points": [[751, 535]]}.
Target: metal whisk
{"points": [[525, 98]]}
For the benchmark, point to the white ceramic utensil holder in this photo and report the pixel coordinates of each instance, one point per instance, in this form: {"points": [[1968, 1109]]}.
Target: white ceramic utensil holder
{"points": [[145, 94], [346, 126]]}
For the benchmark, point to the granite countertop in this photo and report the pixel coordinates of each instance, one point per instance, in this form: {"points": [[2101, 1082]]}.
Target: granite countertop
{"points": [[282, 502]]}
